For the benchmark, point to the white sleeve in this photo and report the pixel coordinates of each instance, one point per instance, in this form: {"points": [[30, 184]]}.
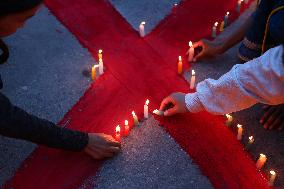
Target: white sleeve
{"points": [[259, 80]]}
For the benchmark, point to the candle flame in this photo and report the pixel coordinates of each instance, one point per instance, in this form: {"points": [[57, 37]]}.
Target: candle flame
{"points": [[262, 155], [192, 72], [179, 58], [156, 111], [228, 116], [95, 66], [126, 122], [133, 113], [175, 4], [100, 51], [251, 138], [272, 172], [190, 44], [143, 23], [147, 102], [117, 129], [239, 126], [228, 13], [216, 24]]}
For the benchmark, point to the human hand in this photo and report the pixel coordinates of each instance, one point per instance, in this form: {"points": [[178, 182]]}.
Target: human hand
{"points": [[273, 118], [209, 49], [102, 146], [173, 104]]}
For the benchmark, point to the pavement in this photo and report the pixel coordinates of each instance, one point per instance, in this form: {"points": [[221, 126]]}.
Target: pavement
{"points": [[44, 76]]}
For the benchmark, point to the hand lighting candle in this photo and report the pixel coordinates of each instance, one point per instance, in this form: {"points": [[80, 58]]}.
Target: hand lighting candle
{"points": [[192, 80], [190, 52], [146, 109], [142, 29]]}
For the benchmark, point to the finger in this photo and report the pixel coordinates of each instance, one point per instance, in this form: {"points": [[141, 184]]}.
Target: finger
{"points": [[114, 143], [92, 153], [272, 117], [165, 102], [275, 124], [108, 154], [266, 116], [170, 111], [198, 44], [114, 150], [199, 55]]}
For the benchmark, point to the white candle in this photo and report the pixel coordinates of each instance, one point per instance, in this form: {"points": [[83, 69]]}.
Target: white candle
{"points": [[192, 80], [158, 112], [239, 5], [261, 161], [100, 54], [190, 52], [117, 133], [272, 178], [135, 118], [214, 30], [229, 119], [94, 72], [226, 19], [179, 65], [146, 108], [101, 66], [142, 29], [240, 132]]}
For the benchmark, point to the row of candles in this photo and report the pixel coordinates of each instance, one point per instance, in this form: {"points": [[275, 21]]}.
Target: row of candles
{"points": [[262, 158]]}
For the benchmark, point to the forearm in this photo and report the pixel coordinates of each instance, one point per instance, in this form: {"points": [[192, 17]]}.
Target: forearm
{"points": [[260, 80], [235, 37], [16, 123]]}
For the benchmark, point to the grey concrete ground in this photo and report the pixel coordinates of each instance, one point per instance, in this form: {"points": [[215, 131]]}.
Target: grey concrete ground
{"points": [[44, 76], [151, 159]]}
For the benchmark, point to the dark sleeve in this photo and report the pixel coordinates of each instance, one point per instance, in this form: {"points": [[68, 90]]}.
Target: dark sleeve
{"points": [[16, 123]]}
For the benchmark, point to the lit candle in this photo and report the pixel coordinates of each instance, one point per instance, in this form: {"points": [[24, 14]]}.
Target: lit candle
{"points": [[94, 72], [158, 112], [192, 80], [214, 30], [190, 52], [135, 118], [146, 108], [272, 177], [251, 140], [175, 8], [261, 161], [240, 132], [222, 26], [239, 5], [126, 128], [179, 65], [229, 119], [226, 19], [100, 54], [117, 133], [101, 66], [142, 29]]}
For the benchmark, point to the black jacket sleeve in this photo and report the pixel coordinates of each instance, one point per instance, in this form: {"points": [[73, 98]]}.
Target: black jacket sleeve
{"points": [[16, 123]]}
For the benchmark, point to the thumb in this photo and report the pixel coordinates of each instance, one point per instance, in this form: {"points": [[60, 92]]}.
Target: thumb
{"points": [[170, 111]]}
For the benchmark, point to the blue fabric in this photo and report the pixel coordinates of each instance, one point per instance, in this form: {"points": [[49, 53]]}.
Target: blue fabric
{"points": [[255, 34]]}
